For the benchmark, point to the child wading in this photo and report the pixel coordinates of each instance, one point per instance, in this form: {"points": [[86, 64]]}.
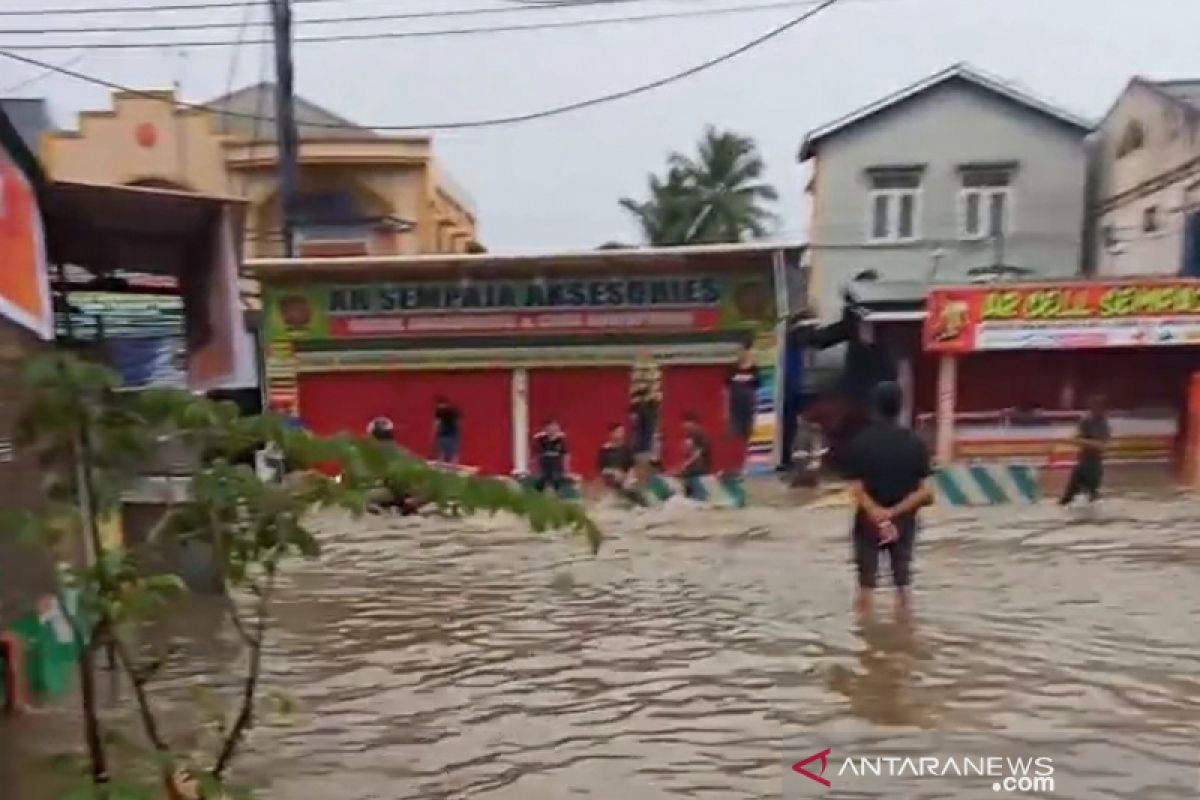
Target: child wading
{"points": [[550, 446], [1091, 440], [614, 462], [697, 460]]}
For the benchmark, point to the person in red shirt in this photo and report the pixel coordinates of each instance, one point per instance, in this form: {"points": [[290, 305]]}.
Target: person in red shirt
{"points": [[12, 664]]}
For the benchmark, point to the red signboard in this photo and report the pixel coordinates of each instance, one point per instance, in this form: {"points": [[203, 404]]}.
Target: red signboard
{"points": [[1063, 316]]}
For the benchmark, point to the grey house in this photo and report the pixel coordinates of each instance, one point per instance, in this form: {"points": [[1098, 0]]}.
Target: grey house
{"points": [[955, 178]]}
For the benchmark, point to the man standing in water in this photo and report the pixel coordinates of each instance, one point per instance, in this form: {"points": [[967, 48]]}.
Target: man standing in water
{"points": [[447, 430], [888, 466], [742, 399], [1091, 440]]}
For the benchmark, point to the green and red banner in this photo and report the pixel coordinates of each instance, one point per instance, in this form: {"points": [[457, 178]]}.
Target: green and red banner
{"points": [[1063, 316], [691, 303]]}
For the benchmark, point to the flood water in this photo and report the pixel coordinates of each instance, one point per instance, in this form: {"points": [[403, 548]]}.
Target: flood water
{"points": [[703, 650]]}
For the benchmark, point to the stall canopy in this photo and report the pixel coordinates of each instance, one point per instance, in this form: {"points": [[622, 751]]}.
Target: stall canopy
{"points": [[105, 231]]}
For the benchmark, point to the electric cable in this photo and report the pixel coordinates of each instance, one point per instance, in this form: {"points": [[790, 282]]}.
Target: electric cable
{"points": [[553, 111]]}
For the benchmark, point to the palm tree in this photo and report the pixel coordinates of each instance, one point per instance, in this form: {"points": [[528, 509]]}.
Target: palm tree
{"points": [[719, 196]]}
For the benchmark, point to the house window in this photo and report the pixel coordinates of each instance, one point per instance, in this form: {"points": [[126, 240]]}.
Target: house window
{"points": [[985, 202], [894, 205], [1150, 219]]}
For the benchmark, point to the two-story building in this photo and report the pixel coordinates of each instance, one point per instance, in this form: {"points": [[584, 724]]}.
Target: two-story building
{"points": [[943, 181], [1146, 185], [362, 193]]}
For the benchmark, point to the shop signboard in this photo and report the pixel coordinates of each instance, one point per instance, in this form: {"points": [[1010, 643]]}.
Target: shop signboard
{"points": [[597, 306], [24, 281], [1068, 316]]}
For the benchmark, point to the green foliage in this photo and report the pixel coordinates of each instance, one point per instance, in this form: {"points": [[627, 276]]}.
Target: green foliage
{"points": [[93, 439], [718, 196]]}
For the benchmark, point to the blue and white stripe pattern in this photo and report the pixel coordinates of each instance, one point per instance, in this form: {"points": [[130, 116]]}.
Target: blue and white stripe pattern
{"points": [[719, 491], [986, 484]]}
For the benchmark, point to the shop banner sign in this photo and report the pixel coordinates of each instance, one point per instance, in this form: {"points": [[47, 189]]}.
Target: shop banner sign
{"points": [[24, 279], [518, 307], [1063, 316]]}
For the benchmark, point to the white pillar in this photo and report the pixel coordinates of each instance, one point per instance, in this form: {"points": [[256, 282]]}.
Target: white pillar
{"points": [[947, 400], [520, 419]]}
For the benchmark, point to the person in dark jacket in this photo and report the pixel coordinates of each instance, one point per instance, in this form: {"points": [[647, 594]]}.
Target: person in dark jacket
{"points": [[550, 447], [1091, 441], [741, 398]]}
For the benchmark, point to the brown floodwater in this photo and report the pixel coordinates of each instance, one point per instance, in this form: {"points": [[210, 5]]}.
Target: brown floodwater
{"points": [[704, 650]]}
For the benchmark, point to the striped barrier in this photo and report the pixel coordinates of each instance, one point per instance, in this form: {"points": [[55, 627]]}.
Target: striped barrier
{"points": [[986, 484]]}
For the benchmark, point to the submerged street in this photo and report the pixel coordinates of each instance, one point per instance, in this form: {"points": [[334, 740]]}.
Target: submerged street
{"points": [[702, 651]]}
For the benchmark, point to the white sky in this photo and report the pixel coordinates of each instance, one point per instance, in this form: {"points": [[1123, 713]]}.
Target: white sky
{"points": [[554, 183]]}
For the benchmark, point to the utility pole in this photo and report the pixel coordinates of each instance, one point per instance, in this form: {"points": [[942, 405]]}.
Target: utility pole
{"points": [[286, 138]]}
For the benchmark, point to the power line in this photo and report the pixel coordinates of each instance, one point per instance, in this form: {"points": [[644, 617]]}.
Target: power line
{"points": [[375, 36], [229, 24], [215, 5], [553, 111], [46, 73]]}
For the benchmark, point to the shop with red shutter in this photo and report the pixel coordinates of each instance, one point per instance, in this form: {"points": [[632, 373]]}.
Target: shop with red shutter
{"points": [[513, 341], [1015, 365]]}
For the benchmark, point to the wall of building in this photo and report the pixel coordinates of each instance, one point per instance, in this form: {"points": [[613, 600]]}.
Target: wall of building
{"points": [[146, 137], [1158, 181], [941, 130]]}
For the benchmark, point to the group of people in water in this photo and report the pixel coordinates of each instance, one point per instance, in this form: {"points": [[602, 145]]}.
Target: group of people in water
{"points": [[632, 448]]}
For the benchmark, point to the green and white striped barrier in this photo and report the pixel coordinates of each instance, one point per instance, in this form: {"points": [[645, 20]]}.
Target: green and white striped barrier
{"points": [[986, 484]]}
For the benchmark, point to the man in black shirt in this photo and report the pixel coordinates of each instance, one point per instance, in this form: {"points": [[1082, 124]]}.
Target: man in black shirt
{"points": [[550, 446], [614, 462], [447, 430], [888, 466], [742, 397], [1091, 440], [698, 458]]}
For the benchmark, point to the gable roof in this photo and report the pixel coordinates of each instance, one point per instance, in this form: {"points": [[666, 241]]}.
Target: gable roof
{"points": [[957, 72], [258, 100], [1186, 92]]}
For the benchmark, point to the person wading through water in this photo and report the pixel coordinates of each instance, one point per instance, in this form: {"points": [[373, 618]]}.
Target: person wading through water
{"points": [[741, 389], [645, 399], [1092, 439], [888, 467], [447, 430]]}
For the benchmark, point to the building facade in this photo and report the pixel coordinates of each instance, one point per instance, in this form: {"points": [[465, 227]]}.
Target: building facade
{"points": [[516, 340], [361, 193], [958, 177], [1146, 185]]}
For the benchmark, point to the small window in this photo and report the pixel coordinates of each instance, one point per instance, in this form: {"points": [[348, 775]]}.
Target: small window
{"points": [[894, 204], [985, 202], [1150, 219], [1109, 235]]}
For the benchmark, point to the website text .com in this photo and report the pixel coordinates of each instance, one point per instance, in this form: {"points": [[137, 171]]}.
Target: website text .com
{"points": [[1005, 774]]}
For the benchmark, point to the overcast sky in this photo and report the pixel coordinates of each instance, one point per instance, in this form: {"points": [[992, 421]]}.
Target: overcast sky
{"points": [[554, 183]]}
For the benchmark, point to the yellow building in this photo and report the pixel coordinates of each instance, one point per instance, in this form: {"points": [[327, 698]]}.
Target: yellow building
{"points": [[361, 192]]}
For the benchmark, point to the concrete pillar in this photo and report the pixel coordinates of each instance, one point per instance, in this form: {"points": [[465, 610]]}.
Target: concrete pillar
{"points": [[947, 400], [904, 377], [520, 419]]}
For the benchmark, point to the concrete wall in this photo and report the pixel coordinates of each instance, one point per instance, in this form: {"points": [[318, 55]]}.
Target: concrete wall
{"points": [[949, 126], [149, 138], [1154, 176]]}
